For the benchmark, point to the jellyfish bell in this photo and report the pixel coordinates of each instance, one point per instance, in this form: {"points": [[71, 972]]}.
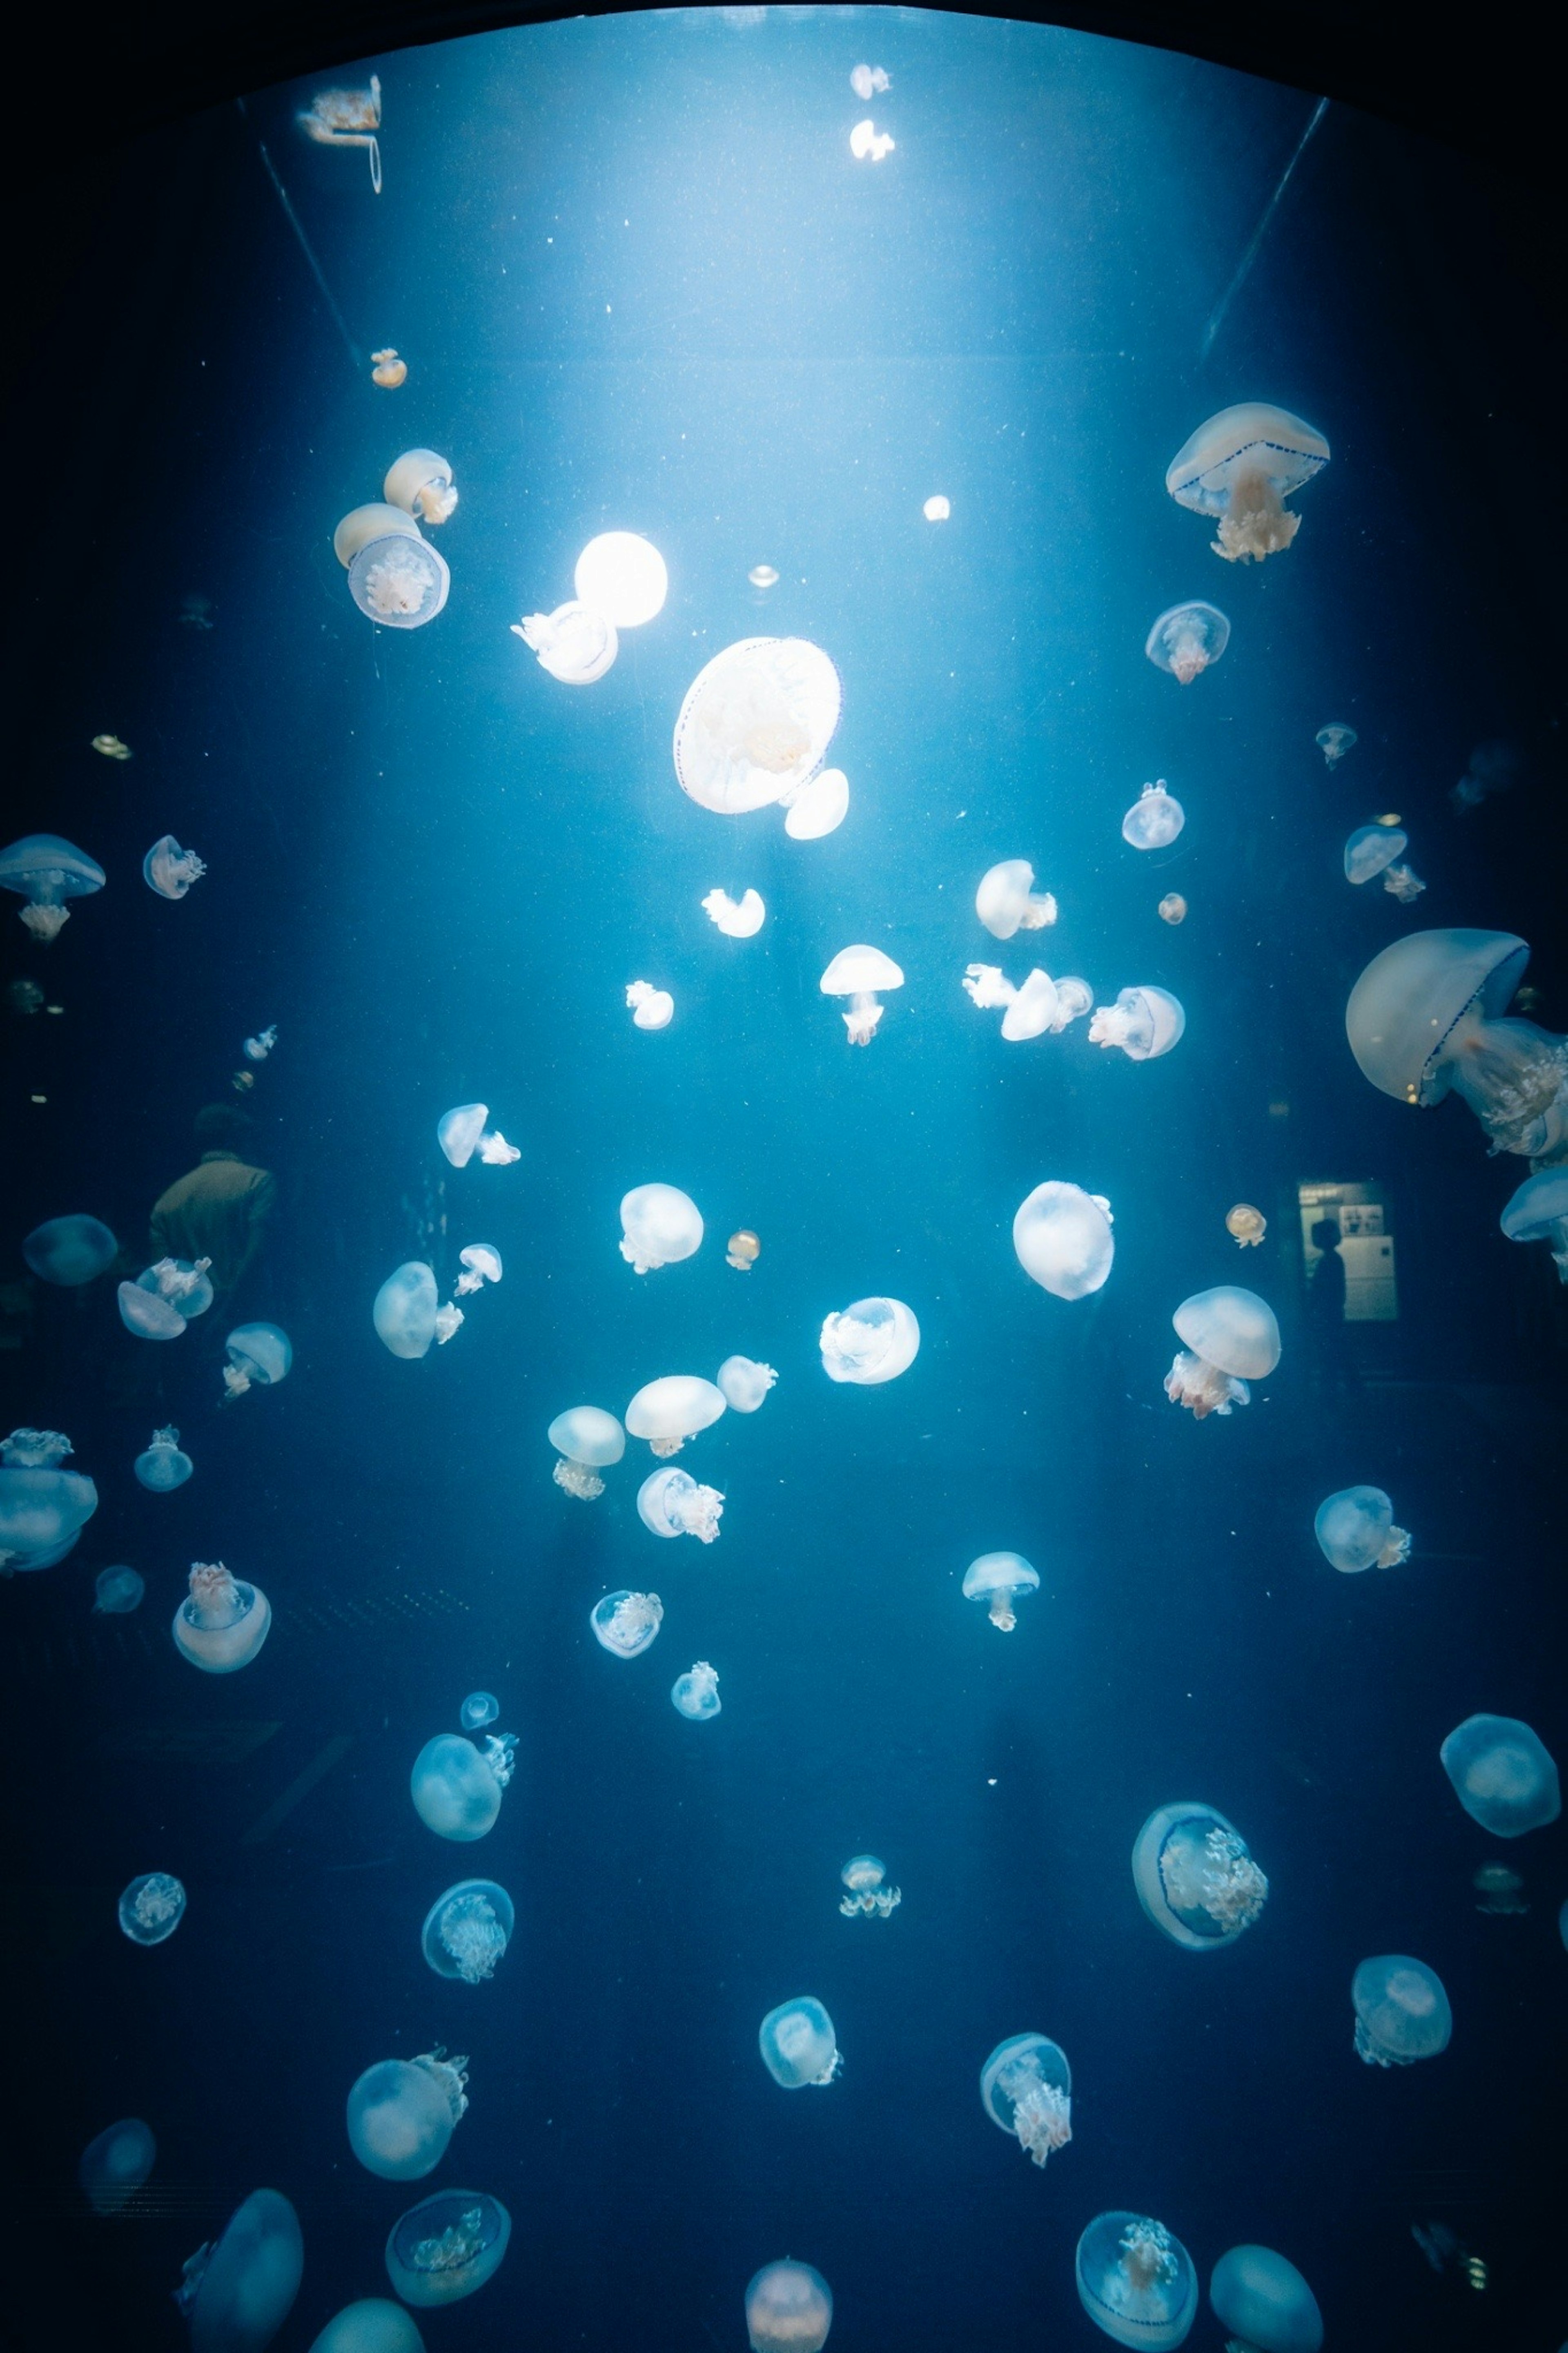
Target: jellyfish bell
{"points": [[746, 1383], [1173, 908], [671, 1504], [1265, 2302], [1502, 1775], [818, 807], [480, 1707], [170, 870], [1500, 1890], [625, 1623], [869, 1897], [676, 1407], [870, 1342], [868, 145], [622, 576], [151, 1907], [115, 2163], [1334, 741], [222, 1622], [869, 82], [1187, 639], [1033, 1010], [370, 2325], [1025, 2089], [116, 1592], [576, 644], [387, 370], [69, 1251], [743, 1250], [1371, 848], [148, 1313], [457, 1787], [1008, 902], [1135, 2281], [1144, 1022], [860, 972], [937, 509], [420, 482], [737, 919], [1355, 1531], [46, 872], [789, 2309], [1063, 1241], [481, 1264], [257, 1049], [236, 2295], [650, 1007], [259, 1355], [1195, 1878], [42, 1509], [396, 577], [1401, 2011], [1240, 466], [1246, 1225], [695, 1694], [446, 2247], [1000, 1579], [1231, 1339], [1155, 818], [755, 723], [465, 1130], [762, 575], [660, 1225], [162, 1467], [798, 2044], [1538, 1212], [401, 2114], [587, 1439], [468, 1930]]}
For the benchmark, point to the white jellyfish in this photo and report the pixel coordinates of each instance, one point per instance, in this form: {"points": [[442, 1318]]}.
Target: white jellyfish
{"points": [[152, 1907], [1026, 2088], [1154, 820], [1502, 1775], [1538, 1212], [396, 577], [764, 575], [180, 1283], [370, 2325], [69, 1251], [46, 872], [622, 576], [660, 1225], [259, 1354], [446, 2247], [163, 1466], [650, 1007], [789, 2309], [739, 919], [587, 1439], [671, 1504], [869, 82], [1144, 1022], [1135, 2281], [1008, 902], [818, 807], [465, 1129], [695, 1694], [480, 1707], [869, 1897], [407, 1316], [1334, 741], [1187, 639], [858, 973], [1232, 1338], [1372, 850], [1195, 1878], [480, 1262], [1240, 466], [148, 1313], [236, 2295], [222, 1622], [116, 1592], [999, 1579], [170, 870], [1401, 2011], [401, 2114], [1265, 2302], [868, 145], [468, 1930], [420, 482], [457, 1787], [1040, 1005], [870, 1341], [257, 1049], [755, 722], [1355, 1531], [676, 1407], [627, 1623], [42, 1509], [1062, 1237], [576, 644], [115, 2163], [746, 1383], [347, 118], [798, 2044], [937, 509]]}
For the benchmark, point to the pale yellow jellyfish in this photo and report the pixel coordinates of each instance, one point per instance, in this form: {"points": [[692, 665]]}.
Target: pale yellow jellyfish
{"points": [[1173, 908], [1240, 466], [1246, 1225], [743, 1250], [112, 747], [347, 118], [937, 509], [388, 370], [420, 482]]}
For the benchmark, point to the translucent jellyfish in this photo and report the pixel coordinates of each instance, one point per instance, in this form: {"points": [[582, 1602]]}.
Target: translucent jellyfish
{"points": [[622, 576], [627, 1623], [347, 118], [1025, 2087], [456, 1788], [873, 1340], [222, 1622], [183, 1283], [480, 1262], [1334, 741], [671, 1504], [798, 2044], [669, 1411], [148, 1313], [479, 1708], [420, 482], [739, 919], [1186, 640], [1195, 1878], [1173, 908], [1538, 1212], [405, 1308], [1246, 1225], [259, 1355], [660, 1225], [999, 1579], [869, 82], [42, 1509], [1231, 1339], [118, 1591], [1355, 1530], [869, 145], [169, 869], [162, 1467], [938, 509], [1402, 2013], [1008, 902], [1040, 1005], [746, 1383], [575, 643], [650, 1007], [1144, 1022], [695, 1694], [818, 807], [1500, 1891], [789, 2309], [762, 575], [465, 1130], [152, 1907], [1240, 466], [1135, 2281], [25, 998], [870, 1897], [47, 871], [371, 2325], [1063, 1241], [401, 2114], [1492, 768], [111, 746], [446, 2247], [857, 973], [1155, 818], [1372, 850], [743, 1250], [468, 1930], [69, 1251], [237, 2294], [1502, 1776], [114, 2165], [388, 370], [1265, 2302], [755, 723], [588, 1439], [396, 577], [257, 1049]]}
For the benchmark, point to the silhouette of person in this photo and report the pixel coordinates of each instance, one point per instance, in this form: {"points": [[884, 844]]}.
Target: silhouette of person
{"points": [[1326, 1304], [220, 1208]]}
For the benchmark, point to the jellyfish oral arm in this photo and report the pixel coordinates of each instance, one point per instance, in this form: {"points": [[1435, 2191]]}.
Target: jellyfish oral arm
{"points": [[697, 1511], [578, 1480], [1514, 1076], [44, 920], [1203, 1388], [235, 1381], [864, 1012], [1001, 1612], [1396, 1549], [1042, 2118], [986, 986], [1255, 524]]}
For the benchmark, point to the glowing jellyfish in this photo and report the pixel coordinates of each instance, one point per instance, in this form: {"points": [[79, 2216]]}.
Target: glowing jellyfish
{"points": [[162, 1467], [370, 2325], [1144, 1022], [999, 1579], [576, 644], [1372, 850], [1063, 1241], [259, 1355], [1246, 1225], [1265, 2302], [1355, 1531], [1008, 902], [676, 1407], [695, 1694], [1334, 741], [396, 577], [480, 1262], [869, 145], [746, 1383], [465, 1130], [818, 807], [1500, 1890], [420, 482], [1025, 2087], [406, 1313], [1195, 1878], [858, 973], [456, 1788], [1040, 1005], [388, 370], [69, 1251], [1155, 818], [869, 82], [1402, 2013], [739, 919], [222, 1622], [468, 1930], [185, 1282], [762, 575], [46, 872], [446, 2247], [789, 2309], [671, 1504], [1231, 1339], [870, 1897], [257, 1049], [347, 118], [170, 870], [42, 1509], [1241, 466], [479, 1709], [660, 1225], [236, 2294], [1538, 1212], [1173, 908], [622, 577], [112, 747], [115, 2163], [152, 1907], [148, 1313], [871, 1341], [937, 509], [117, 1592], [798, 2044], [1187, 639], [650, 1007], [401, 2114], [1135, 2281], [743, 1250], [1502, 1776], [627, 1623], [755, 723], [588, 1439]]}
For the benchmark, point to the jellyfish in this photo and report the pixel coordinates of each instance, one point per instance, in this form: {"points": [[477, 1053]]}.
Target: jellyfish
{"points": [[388, 370], [755, 722], [1402, 2013], [695, 1694], [420, 482], [1334, 741], [457, 1787], [1231, 1339], [1144, 1022], [347, 118], [1246, 1225], [789, 2309], [1062, 1237], [404, 1310], [115, 2163], [999, 1579], [446, 2247], [118, 1591], [1372, 850], [743, 1250], [152, 1907], [42, 1509], [1500, 1890], [937, 509], [650, 1007], [872, 1341], [479, 1708], [1265, 2302], [1135, 2281], [762, 575], [1240, 466], [222, 1622], [576, 644], [1494, 768], [148, 1313], [237, 2294], [1186, 640], [588, 1439], [857, 973], [868, 145], [627, 1623], [798, 2044], [1355, 1530], [869, 82], [870, 1898], [169, 869], [1173, 908], [660, 1225], [1502, 1776], [1039, 1006], [818, 807], [1538, 1212], [1008, 902], [183, 1281], [162, 1467], [369, 2325], [480, 1262], [671, 1504], [737, 919], [401, 2114], [25, 998], [1025, 2087], [746, 1383], [1155, 818], [677, 1407], [257, 1353], [622, 576], [112, 748], [69, 1251], [1195, 1878], [46, 872], [468, 1930], [257, 1049], [396, 577]]}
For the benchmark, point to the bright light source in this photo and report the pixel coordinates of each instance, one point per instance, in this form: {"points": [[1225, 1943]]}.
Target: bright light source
{"points": [[623, 577]]}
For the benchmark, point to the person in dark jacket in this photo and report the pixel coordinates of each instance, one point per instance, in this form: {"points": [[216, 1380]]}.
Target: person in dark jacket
{"points": [[220, 1210]]}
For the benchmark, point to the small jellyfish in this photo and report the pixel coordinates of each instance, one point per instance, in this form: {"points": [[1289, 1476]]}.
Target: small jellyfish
{"points": [[739, 919], [259, 1354], [622, 576], [1039, 1007], [818, 807], [404, 1310], [789, 2309], [196, 611], [170, 870], [627, 1623], [1240, 466], [118, 1592], [1492, 768], [762, 575], [1402, 2013], [999, 1579], [388, 370], [25, 998], [46, 872], [112, 748], [676, 1407], [1025, 2087], [743, 1250], [576, 644], [746, 1383], [396, 577], [370, 2325], [1501, 1891], [1231, 1339], [114, 2165], [755, 722], [858, 973], [1154, 820], [1372, 850], [671, 1504], [401, 2114], [1195, 1878], [1538, 1212], [1135, 2281], [588, 1439], [695, 1694], [650, 1007], [1502, 1775], [162, 1467], [465, 1130], [42, 1509], [938, 509], [222, 1622], [1173, 908], [468, 1930], [1186, 640], [148, 1313], [480, 1262], [257, 1049], [869, 145], [152, 1907], [1355, 1530], [798, 2044], [446, 2247], [1008, 902], [185, 1282], [869, 82], [870, 1898], [1246, 1225], [457, 1787], [1265, 2302], [1334, 741], [69, 1251], [660, 1225], [1144, 1022], [479, 1709], [347, 118], [1063, 1241], [871, 1341], [420, 482], [237, 2294]]}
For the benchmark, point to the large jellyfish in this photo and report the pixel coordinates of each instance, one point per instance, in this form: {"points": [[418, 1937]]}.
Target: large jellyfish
{"points": [[575, 643], [1355, 1530], [858, 973], [468, 1930], [480, 1262], [1402, 2013], [1135, 2281], [1187, 639], [1062, 1237], [755, 722], [401, 2114], [1154, 820], [115, 2163], [789, 2309], [738, 919], [446, 2247], [746, 1383], [117, 1591], [1246, 1225], [797, 2043], [1195, 1878], [420, 482], [222, 1622], [660, 1225], [457, 1787], [396, 577], [406, 1313], [676, 1407], [1502, 1775], [1025, 2087], [819, 806], [650, 1007], [152, 1907], [1334, 741], [1372, 850], [347, 118], [1008, 902], [1144, 1022], [624, 577], [162, 1467], [42, 1509], [465, 1129], [1231, 1340], [1038, 1005], [237, 2294], [1538, 1212], [1265, 2302], [1241, 466], [587, 1439], [259, 1354], [46, 872], [627, 1623], [999, 1579], [695, 1694], [671, 1504], [170, 870], [69, 1251], [370, 2325], [869, 1897], [871, 1341]]}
